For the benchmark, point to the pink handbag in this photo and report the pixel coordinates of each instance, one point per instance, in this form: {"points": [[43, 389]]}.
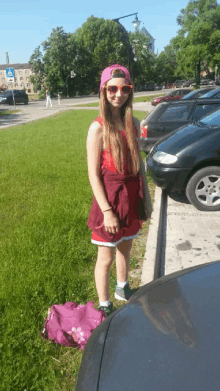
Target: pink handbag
{"points": [[71, 324]]}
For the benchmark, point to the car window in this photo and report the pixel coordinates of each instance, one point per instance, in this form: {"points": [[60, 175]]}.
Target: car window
{"points": [[213, 119], [209, 94], [184, 92], [202, 110], [155, 113], [190, 95], [176, 113]]}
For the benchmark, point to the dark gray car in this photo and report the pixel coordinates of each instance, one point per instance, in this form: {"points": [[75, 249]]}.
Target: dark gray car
{"points": [[170, 116], [188, 160], [7, 97], [165, 338]]}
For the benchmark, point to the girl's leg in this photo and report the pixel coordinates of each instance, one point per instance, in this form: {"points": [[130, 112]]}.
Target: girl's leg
{"points": [[123, 260], [123, 290], [102, 271]]}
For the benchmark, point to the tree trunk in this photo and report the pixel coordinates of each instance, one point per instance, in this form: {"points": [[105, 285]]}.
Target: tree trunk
{"points": [[198, 74]]}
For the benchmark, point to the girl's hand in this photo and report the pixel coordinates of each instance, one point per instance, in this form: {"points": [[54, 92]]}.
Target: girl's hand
{"points": [[111, 222]]}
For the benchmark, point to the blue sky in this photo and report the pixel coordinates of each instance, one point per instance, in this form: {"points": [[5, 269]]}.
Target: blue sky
{"points": [[25, 24]]}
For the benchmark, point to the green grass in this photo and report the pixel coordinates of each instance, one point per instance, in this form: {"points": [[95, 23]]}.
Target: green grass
{"points": [[146, 98], [8, 112], [46, 254], [94, 104]]}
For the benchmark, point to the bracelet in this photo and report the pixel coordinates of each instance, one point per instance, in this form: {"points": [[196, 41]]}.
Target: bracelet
{"points": [[106, 210]]}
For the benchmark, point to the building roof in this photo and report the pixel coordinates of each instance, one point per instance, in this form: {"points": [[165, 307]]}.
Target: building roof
{"points": [[15, 66], [144, 30]]}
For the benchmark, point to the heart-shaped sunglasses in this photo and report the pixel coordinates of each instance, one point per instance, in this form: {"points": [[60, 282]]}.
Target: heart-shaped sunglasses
{"points": [[124, 89]]}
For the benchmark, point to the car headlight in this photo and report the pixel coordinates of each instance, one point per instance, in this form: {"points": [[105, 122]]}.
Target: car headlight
{"points": [[164, 158]]}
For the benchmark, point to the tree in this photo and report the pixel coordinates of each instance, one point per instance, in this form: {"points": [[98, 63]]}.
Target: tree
{"points": [[100, 43], [37, 67], [52, 68], [197, 41], [60, 51], [193, 10], [166, 65], [143, 69]]}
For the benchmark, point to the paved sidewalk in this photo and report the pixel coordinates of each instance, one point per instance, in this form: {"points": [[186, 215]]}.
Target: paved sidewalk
{"points": [[192, 237], [33, 112]]}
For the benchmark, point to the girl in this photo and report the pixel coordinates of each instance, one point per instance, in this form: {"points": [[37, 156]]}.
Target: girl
{"points": [[117, 177]]}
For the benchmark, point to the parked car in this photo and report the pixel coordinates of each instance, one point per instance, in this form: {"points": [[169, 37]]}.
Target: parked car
{"points": [[149, 87], [172, 115], [165, 338], [156, 88], [197, 93], [188, 83], [20, 96], [205, 82], [214, 93], [179, 83], [145, 87], [189, 160], [174, 95]]}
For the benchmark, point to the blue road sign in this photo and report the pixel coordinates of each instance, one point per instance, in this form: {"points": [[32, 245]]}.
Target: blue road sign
{"points": [[10, 72]]}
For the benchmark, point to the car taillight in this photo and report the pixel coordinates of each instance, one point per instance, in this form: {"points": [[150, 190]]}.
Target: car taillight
{"points": [[144, 130]]}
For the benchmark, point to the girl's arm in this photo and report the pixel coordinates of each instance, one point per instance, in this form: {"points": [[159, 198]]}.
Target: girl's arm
{"points": [[147, 199], [94, 148]]}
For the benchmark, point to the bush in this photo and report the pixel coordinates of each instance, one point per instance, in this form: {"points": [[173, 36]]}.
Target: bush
{"points": [[42, 94]]}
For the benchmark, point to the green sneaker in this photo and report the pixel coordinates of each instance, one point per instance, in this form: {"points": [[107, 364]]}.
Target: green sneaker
{"points": [[123, 293], [107, 310]]}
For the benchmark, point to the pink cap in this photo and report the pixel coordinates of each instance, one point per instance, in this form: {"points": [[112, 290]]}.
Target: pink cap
{"points": [[107, 74]]}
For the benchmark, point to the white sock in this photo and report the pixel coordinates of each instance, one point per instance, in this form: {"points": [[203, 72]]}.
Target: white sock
{"points": [[121, 284], [104, 303]]}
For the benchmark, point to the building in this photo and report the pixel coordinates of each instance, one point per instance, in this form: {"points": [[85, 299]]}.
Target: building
{"points": [[22, 77], [152, 40]]}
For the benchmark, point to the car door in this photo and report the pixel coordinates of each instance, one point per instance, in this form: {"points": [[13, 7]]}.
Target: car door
{"points": [[175, 116]]}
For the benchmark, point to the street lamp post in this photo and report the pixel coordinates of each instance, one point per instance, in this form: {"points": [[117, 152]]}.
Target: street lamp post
{"points": [[136, 24]]}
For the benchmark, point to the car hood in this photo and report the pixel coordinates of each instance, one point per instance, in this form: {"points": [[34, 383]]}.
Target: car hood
{"points": [[167, 337], [185, 137]]}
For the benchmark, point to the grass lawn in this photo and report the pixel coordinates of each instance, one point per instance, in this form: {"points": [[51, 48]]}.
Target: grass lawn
{"points": [[8, 112], [46, 254]]}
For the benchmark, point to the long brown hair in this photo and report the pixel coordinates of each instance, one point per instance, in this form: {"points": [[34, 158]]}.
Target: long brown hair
{"points": [[112, 137]]}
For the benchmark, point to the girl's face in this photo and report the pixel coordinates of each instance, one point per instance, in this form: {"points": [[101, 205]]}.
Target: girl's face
{"points": [[117, 96]]}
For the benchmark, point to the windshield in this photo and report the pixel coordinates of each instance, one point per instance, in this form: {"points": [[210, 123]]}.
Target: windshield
{"points": [[210, 93], [212, 119], [6, 92]]}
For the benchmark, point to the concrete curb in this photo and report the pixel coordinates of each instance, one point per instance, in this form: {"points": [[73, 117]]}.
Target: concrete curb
{"points": [[148, 268]]}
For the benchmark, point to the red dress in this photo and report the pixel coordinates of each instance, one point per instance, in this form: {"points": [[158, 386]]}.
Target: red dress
{"points": [[124, 193]]}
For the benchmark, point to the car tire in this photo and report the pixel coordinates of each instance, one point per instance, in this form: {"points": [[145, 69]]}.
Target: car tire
{"points": [[203, 189], [26, 102]]}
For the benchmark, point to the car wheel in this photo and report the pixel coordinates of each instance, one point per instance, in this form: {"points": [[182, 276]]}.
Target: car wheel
{"points": [[203, 189], [26, 102]]}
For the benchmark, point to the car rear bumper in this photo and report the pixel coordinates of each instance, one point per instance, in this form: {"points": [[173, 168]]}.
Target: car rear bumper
{"points": [[167, 177]]}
